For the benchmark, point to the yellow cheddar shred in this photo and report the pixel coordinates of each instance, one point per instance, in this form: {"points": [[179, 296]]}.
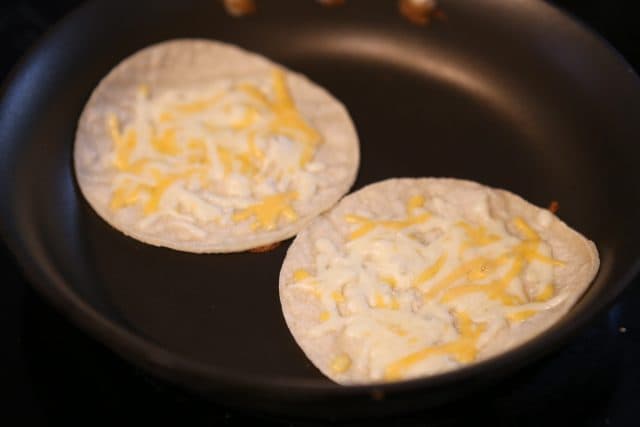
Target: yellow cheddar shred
{"points": [[198, 152], [254, 151], [255, 94], [476, 236], [300, 274], [526, 230], [367, 224], [341, 363], [519, 316], [496, 290], [250, 117], [390, 280], [337, 296], [431, 271], [226, 158], [457, 274], [269, 210], [414, 203], [162, 183], [165, 142], [546, 294], [463, 349], [478, 268], [288, 120], [380, 302], [124, 144], [125, 196]]}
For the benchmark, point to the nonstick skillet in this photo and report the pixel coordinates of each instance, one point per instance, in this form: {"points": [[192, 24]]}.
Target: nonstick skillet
{"points": [[513, 94]]}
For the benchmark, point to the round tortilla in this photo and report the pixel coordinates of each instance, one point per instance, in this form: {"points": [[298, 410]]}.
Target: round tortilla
{"points": [[189, 64], [385, 200]]}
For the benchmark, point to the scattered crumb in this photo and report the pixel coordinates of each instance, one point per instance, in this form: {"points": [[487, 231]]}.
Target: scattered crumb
{"points": [[240, 7], [420, 12], [331, 3], [554, 206], [440, 15], [622, 329], [377, 394], [265, 248]]}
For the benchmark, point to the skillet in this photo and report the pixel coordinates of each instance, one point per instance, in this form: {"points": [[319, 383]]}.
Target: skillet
{"points": [[511, 94]]}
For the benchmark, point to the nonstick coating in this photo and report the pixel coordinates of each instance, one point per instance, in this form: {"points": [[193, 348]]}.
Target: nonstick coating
{"points": [[511, 94]]}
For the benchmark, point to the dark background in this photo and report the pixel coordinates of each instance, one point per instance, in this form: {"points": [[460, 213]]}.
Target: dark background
{"points": [[53, 374]]}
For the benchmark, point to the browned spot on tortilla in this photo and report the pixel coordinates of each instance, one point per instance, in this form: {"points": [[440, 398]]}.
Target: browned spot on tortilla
{"points": [[418, 13], [331, 3], [554, 206], [240, 7], [265, 248]]}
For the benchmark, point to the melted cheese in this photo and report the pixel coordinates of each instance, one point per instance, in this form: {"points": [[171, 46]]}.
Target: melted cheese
{"points": [[341, 363], [424, 293], [193, 107], [288, 120], [268, 211], [366, 224], [337, 296], [430, 272], [125, 196], [463, 349], [185, 151], [476, 236], [390, 280], [546, 294], [165, 142], [520, 316], [124, 144], [300, 274], [162, 183]]}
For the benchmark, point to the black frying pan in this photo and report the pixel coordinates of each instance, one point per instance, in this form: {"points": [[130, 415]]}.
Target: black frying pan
{"points": [[511, 94]]}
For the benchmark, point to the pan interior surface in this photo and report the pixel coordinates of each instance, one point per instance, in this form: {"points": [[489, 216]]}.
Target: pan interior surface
{"points": [[510, 94]]}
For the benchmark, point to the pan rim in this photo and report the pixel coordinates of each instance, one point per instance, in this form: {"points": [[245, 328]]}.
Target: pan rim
{"points": [[174, 367]]}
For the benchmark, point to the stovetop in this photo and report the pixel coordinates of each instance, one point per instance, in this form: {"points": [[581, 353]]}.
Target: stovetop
{"points": [[55, 374]]}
